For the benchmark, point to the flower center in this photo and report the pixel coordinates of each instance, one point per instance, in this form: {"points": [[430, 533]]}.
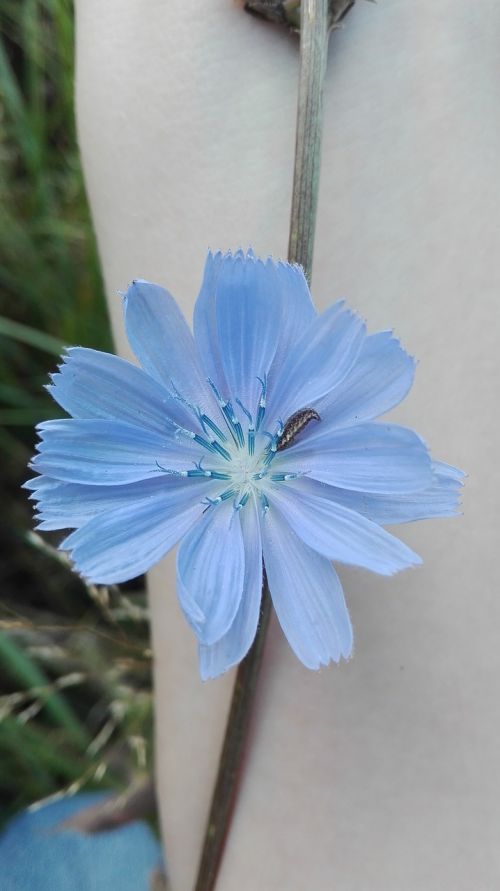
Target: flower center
{"points": [[233, 444]]}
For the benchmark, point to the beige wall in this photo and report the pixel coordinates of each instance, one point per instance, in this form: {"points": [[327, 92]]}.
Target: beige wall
{"points": [[382, 774]]}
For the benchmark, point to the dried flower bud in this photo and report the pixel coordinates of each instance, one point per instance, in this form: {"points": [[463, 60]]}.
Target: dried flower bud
{"points": [[287, 12]]}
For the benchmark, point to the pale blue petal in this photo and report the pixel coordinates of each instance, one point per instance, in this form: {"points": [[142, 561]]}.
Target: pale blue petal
{"points": [[440, 499], [91, 384], [367, 457], [63, 505], [297, 309], [205, 321], [318, 362], [449, 473], [306, 594], [210, 572], [108, 453], [126, 541], [234, 645], [247, 316], [337, 532], [379, 379], [163, 343], [248, 319]]}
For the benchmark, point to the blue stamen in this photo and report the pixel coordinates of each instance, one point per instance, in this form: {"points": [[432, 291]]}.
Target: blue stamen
{"points": [[272, 447], [199, 439], [214, 474], [264, 502], [180, 398], [210, 502], [210, 446], [207, 422], [204, 442], [227, 494], [227, 412], [244, 410], [216, 447], [284, 477], [216, 393], [262, 402], [260, 475], [269, 457], [251, 440], [251, 428], [243, 500], [171, 472], [203, 425], [234, 425], [213, 502], [183, 432]]}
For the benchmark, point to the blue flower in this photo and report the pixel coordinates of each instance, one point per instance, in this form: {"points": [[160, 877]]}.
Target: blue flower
{"points": [[251, 442]]}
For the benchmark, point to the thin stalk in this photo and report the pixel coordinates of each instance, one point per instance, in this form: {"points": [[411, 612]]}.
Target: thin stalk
{"points": [[314, 33], [238, 721]]}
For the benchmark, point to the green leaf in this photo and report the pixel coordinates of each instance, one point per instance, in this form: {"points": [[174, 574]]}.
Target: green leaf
{"points": [[31, 336], [24, 670]]}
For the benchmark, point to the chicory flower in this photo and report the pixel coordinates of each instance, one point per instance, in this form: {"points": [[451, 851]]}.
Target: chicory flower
{"points": [[252, 442]]}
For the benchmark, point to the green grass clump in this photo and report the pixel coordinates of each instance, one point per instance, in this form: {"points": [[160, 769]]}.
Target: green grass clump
{"points": [[75, 693], [50, 280]]}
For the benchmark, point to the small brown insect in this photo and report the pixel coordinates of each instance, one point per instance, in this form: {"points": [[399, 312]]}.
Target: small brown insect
{"points": [[295, 425]]}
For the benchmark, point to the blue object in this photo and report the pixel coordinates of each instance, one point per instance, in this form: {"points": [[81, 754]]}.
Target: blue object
{"points": [[252, 439], [36, 855]]}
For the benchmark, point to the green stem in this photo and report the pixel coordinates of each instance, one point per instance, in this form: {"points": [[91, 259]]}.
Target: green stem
{"points": [[313, 53]]}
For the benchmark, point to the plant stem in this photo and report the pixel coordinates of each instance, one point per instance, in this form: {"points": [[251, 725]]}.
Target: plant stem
{"points": [[226, 785], [313, 53], [314, 33]]}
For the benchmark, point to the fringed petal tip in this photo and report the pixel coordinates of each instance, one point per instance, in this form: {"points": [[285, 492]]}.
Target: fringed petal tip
{"points": [[448, 471], [240, 254], [31, 485]]}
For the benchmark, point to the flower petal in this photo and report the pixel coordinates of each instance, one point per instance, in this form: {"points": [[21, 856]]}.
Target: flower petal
{"points": [[124, 542], [92, 384], [367, 457], [318, 362], [210, 572], [379, 379], [108, 453], [161, 340], [205, 321], [248, 323], [247, 315], [440, 499], [62, 505], [236, 642], [307, 595], [337, 532], [297, 308]]}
